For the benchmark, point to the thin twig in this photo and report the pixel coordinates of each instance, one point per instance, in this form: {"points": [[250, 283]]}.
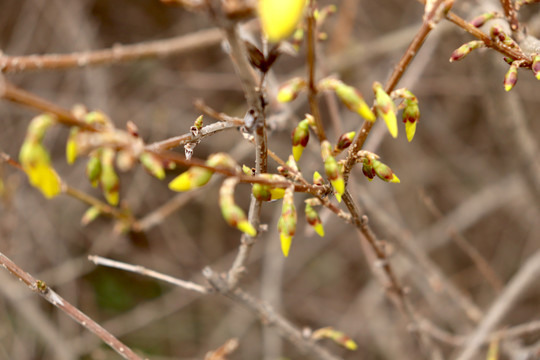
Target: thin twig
{"points": [[52, 297], [98, 260], [103, 207], [256, 110], [513, 53], [518, 285], [117, 54], [14, 94], [311, 56], [268, 316]]}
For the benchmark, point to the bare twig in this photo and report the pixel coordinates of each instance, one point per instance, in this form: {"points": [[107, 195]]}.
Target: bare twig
{"points": [[22, 97], [52, 297], [518, 285], [256, 111], [268, 316], [114, 55], [98, 260], [311, 56]]}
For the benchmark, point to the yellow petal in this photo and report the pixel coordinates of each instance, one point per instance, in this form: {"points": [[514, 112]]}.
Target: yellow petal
{"points": [[246, 227], [43, 177], [410, 129], [297, 152], [277, 193], [280, 17], [286, 241], [181, 183], [319, 229]]}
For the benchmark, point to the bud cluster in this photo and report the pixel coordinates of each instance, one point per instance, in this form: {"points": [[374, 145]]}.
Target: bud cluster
{"points": [[371, 167]]}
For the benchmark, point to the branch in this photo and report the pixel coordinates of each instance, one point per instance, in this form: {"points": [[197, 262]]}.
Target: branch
{"points": [[22, 97], [52, 297], [98, 260], [518, 285], [114, 55], [268, 316], [311, 56]]}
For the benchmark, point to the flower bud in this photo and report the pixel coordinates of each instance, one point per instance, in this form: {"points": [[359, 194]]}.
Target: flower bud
{"points": [[152, 164], [510, 78], [287, 221], [331, 169], [465, 49], [90, 215], [367, 169], [280, 17], [354, 101], [411, 114], [36, 163], [536, 66], [223, 160], [317, 179], [290, 89], [336, 336], [231, 212], [109, 181], [300, 138], [71, 146], [344, 141], [195, 177], [480, 20], [384, 172], [385, 108], [93, 167], [314, 220], [265, 192]]}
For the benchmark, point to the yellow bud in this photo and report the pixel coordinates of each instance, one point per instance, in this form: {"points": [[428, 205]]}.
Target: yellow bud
{"points": [[286, 241], [246, 227], [280, 17]]}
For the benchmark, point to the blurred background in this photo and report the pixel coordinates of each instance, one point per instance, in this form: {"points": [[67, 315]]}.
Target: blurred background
{"points": [[462, 222]]}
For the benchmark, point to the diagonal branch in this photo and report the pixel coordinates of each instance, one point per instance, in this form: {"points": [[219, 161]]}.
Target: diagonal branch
{"points": [[52, 297]]}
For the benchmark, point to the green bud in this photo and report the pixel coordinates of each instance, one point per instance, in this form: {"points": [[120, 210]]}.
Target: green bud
{"points": [[153, 165], [465, 49], [536, 66], [314, 220], [345, 141], [195, 177], [384, 172], [231, 212], [354, 101], [480, 20], [300, 138], [331, 169], [98, 118], [90, 215], [109, 181], [198, 123], [223, 160], [93, 167], [385, 107], [287, 221], [290, 89], [71, 146], [510, 79], [38, 127], [367, 169]]}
